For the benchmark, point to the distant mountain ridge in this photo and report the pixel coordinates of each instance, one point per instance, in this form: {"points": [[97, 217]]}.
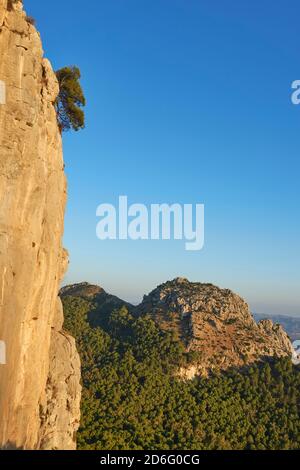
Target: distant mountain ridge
{"points": [[214, 324]]}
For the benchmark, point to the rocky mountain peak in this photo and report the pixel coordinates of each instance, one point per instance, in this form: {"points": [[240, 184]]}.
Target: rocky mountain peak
{"points": [[215, 323]]}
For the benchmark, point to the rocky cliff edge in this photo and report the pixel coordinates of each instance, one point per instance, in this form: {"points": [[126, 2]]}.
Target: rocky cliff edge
{"points": [[39, 384]]}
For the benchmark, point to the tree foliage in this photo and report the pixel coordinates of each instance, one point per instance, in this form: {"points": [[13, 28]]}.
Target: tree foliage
{"points": [[133, 399], [70, 100]]}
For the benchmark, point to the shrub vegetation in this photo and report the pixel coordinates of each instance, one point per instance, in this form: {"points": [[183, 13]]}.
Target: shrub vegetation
{"points": [[132, 398]]}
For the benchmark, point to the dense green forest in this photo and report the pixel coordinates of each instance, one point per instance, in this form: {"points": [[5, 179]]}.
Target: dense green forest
{"points": [[133, 400]]}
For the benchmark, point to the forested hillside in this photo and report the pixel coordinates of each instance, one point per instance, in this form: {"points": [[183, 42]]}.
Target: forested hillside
{"points": [[133, 399]]}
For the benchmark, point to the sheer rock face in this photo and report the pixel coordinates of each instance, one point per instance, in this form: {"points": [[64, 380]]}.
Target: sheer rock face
{"points": [[215, 323], [39, 385]]}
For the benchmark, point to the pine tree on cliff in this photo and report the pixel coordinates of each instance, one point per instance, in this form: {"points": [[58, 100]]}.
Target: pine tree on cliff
{"points": [[70, 100]]}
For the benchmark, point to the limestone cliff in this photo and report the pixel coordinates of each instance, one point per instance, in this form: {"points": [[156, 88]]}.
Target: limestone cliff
{"points": [[214, 323], [39, 385]]}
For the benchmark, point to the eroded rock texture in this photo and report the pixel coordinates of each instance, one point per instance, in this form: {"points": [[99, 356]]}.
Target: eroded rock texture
{"points": [[39, 385], [216, 324]]}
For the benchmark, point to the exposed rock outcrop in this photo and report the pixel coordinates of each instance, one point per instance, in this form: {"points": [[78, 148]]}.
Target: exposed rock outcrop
{"points": [[290, 324], [216, 324], [39, 385]]}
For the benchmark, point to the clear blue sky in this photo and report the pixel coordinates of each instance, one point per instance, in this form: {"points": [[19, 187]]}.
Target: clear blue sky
{"points": [[188, 101]]}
